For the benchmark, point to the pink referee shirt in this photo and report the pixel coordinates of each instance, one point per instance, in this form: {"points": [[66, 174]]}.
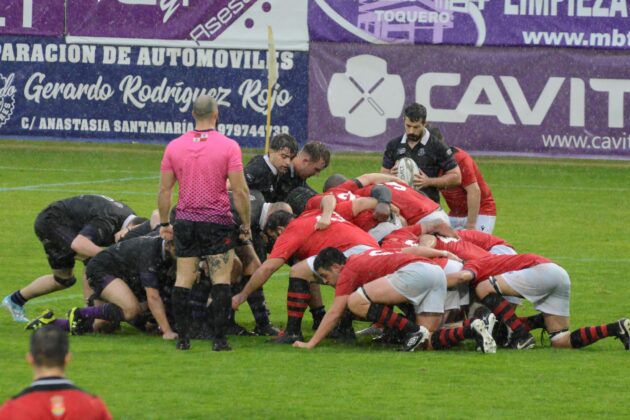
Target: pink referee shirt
{"points": [[201, 161]]}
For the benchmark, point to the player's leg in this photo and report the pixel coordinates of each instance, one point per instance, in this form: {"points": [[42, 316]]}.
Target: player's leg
{"points": [[491, 294], [375, 303], [256, 300], [220, 269], [298, 299], [585, 336]]}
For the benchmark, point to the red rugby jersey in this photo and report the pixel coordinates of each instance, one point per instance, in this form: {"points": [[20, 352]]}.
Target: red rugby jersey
{"points": [[493, 265], [413, 205]]}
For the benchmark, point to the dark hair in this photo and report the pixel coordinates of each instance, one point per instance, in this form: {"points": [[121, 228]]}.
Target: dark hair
{"points": [[49, 346], [278, 219], [298, 197], [282, 141], [333, 181], [416, 112], [317, 150], [327, 257]]}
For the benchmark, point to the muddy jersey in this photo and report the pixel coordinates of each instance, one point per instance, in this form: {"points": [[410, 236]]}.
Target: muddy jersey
{"points": [[96, 217]]}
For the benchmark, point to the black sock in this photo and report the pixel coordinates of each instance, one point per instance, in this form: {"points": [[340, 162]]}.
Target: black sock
{"points": [[18, 299], [221, 307], [258, 305], [298, 297], [181, 310], [385, 315], [198, 302], [533, 322]]}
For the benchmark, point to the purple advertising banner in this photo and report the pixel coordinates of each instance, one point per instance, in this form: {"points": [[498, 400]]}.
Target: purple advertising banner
{"points": [[492, 100], [32, 17], [217, 23], [566, 23]]}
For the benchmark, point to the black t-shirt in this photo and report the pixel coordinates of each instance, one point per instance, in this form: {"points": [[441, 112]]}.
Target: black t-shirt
{"points": [[260, 177], [287, 183], [143, 229], [256, 203], [431, 157], [96, 217], [138, 261]]}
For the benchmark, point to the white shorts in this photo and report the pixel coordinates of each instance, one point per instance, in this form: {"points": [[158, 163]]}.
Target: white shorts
{"points": [[438, 214], [348, 252], [502, 250], [547, 286], [484, 223], [383, 229], [459, 296], [422, 284]]}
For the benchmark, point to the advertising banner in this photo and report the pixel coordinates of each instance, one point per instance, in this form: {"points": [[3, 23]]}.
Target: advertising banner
{"points": [[32, 17], [144, 94], [217, 24], [494, 100], [566, 23]]}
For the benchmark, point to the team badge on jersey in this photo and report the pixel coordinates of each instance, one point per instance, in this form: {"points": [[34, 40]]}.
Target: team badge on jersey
{"points": [[57, 406], [420, 152]]}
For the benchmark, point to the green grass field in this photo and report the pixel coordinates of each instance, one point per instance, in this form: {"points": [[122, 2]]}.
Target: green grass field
{"points": [[573, 211]]}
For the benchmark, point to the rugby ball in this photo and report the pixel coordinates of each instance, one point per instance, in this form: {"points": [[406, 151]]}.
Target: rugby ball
{"points": [[407, 168]]}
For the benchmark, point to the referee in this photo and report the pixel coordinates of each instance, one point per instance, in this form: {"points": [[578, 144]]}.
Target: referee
{"points": [[430, 153], [201, 161]]}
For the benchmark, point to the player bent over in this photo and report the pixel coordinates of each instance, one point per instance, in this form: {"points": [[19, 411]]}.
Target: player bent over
{"points": [[73, 228], [547, 286], [368, 284], [115, 275]]}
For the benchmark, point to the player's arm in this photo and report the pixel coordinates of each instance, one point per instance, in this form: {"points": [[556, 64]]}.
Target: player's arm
{"points": [[379, 178], [84, 247], [425, 251], [473, 200], [460, 277], [240, 192], [328, 207], [260, 277], [167, 182], [329, 322], [156, 306], [450, 178]]}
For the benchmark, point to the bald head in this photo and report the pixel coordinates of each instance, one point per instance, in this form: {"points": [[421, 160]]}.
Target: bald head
{"points": [[205, 107]]}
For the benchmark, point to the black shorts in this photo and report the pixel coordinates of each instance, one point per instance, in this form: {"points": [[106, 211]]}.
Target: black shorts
{"points": [[200, 239], [100, 272], [56, 233]]}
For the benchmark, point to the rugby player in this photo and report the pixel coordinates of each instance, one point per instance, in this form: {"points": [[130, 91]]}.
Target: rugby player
{"points": [[313, 158], [123, 276], [76, 227], [263, 172], [369, 283], [471, 205], [546, 285], [52, 395]]}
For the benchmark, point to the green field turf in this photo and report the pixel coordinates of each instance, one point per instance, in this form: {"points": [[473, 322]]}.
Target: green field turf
{"points": [[573, 211]]}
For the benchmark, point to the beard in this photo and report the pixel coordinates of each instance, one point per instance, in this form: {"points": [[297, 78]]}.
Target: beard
{"points": [[413, 137]]}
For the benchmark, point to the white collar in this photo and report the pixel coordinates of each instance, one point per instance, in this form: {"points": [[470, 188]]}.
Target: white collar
{"points": [[424, 140], [264, 215], [273, 168], [127, 220]]}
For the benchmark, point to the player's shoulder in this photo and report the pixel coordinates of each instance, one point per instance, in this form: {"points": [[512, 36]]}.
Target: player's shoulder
{"points": [[394, 143]]}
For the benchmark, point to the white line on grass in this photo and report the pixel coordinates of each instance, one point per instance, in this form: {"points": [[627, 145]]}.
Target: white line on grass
{"points": [[557, 187], [113, 193], [102, 181], [29, 169]]}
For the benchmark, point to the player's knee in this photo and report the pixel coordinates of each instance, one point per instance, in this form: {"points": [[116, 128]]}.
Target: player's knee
{"points": [[356, 302], [65, 282], [131, 312], [483, 289]]}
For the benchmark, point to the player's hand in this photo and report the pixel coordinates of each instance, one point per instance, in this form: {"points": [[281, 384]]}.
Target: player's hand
{"points": [[244, 233], [237, 300], [394, 171], [171, 335], [421, 180], [166, 232], [301, 345], [382, 211], [323, 223], [453, 257]]}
